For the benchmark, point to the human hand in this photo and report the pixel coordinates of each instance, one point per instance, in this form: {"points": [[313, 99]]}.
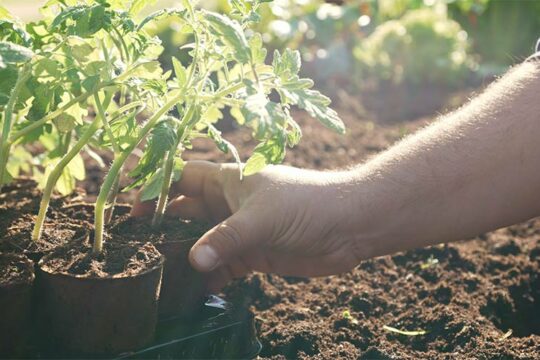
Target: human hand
{"points": [[281, 220]]}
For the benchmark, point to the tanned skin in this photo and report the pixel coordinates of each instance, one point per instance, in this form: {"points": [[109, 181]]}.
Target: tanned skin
{"points": [[474, 170]]}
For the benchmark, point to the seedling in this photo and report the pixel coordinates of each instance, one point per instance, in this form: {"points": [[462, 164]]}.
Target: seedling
{"points": [[90, 75], [347, 316], [430, 262]]}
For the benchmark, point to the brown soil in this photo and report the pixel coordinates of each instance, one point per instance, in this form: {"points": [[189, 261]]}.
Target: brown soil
{"points": [[171, 229], [23, 197], [466, 295], [17, 237], [119, 259], [19, 205], [15, 269]]}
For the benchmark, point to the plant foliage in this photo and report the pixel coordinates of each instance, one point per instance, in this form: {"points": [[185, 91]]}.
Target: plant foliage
{"points": [[87, 78]]}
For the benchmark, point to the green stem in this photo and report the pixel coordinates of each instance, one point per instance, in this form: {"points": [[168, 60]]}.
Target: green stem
{"points": [[118, 163], [183, 131], [106, 125], [5, 145], [57, 172], [111, 200], [164, 194]]}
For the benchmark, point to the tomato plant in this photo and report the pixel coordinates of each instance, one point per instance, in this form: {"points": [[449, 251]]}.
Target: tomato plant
{"points": [[85, 77]]}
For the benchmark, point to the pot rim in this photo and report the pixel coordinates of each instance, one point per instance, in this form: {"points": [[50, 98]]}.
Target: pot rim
{"points": [[93, 278], [27, 281]]}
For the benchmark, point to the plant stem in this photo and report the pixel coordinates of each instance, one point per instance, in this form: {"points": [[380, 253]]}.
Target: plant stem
{"points": [[106, 125], [5, 145], [118, 163], [111, 199], [164, 194], [168, 167], [57, 172]]}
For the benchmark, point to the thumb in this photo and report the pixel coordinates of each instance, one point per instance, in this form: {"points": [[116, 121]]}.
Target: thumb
{"points": [[226, 241]]}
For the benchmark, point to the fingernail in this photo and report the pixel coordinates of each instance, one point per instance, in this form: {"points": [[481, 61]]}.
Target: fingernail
{"points": [[205, 257]]}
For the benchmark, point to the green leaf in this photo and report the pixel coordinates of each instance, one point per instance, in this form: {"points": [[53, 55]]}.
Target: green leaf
{"points": [[258, 52], [66, 182], [178, 168], [138, 5], [45, 66], [263, 114], [161, 140], [76, 167], [180, 72], [286, 64], [12, 30], [43, 101], [65, 123], [82, 20], [316, 104], [149, 70], [19, 162], [8, 79], [294, 134], [4, 13], [79, 48], [152, 188], [271, 151], [255, 163], [91, 83], [11, 53], [230, 33]]}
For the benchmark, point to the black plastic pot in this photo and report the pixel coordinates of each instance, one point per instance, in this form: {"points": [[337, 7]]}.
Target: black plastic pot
{"points": [[182, 288], [218, 330]]}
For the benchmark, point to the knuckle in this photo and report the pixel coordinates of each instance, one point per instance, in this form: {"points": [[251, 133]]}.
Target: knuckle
{"points": [[229, 236]]}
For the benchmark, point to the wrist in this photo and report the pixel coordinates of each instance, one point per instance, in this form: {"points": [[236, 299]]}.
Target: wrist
{"points": [[376, 215]]}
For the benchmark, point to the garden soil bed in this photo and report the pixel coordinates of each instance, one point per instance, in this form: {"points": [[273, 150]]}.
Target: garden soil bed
{"points": [[465, 296]]}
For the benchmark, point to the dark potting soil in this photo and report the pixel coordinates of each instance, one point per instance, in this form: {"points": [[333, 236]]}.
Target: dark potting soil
{"points": [[118, 259], [171, 229], [17, 237], [15, 269], [22, 197]]}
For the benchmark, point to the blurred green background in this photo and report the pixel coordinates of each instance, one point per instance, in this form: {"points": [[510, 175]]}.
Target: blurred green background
{"points": [[397, 59]]}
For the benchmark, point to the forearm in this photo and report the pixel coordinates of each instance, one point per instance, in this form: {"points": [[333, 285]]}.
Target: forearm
{"points": [[472, 171]]}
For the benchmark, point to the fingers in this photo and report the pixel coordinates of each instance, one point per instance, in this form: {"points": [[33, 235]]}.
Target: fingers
{"points": [[188, 208], [194, 177], [142, 209], [192, 184], [227, 240]]}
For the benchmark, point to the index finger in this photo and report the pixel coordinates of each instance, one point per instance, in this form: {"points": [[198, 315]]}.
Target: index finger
{"points": [[194, 176]]}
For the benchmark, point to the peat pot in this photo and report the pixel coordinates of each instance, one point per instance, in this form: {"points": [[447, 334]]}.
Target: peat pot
{"points": [[16, 280], [96, 315]]}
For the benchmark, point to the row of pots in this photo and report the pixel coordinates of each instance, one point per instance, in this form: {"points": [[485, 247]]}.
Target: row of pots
{"points": [[74, 315]]}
